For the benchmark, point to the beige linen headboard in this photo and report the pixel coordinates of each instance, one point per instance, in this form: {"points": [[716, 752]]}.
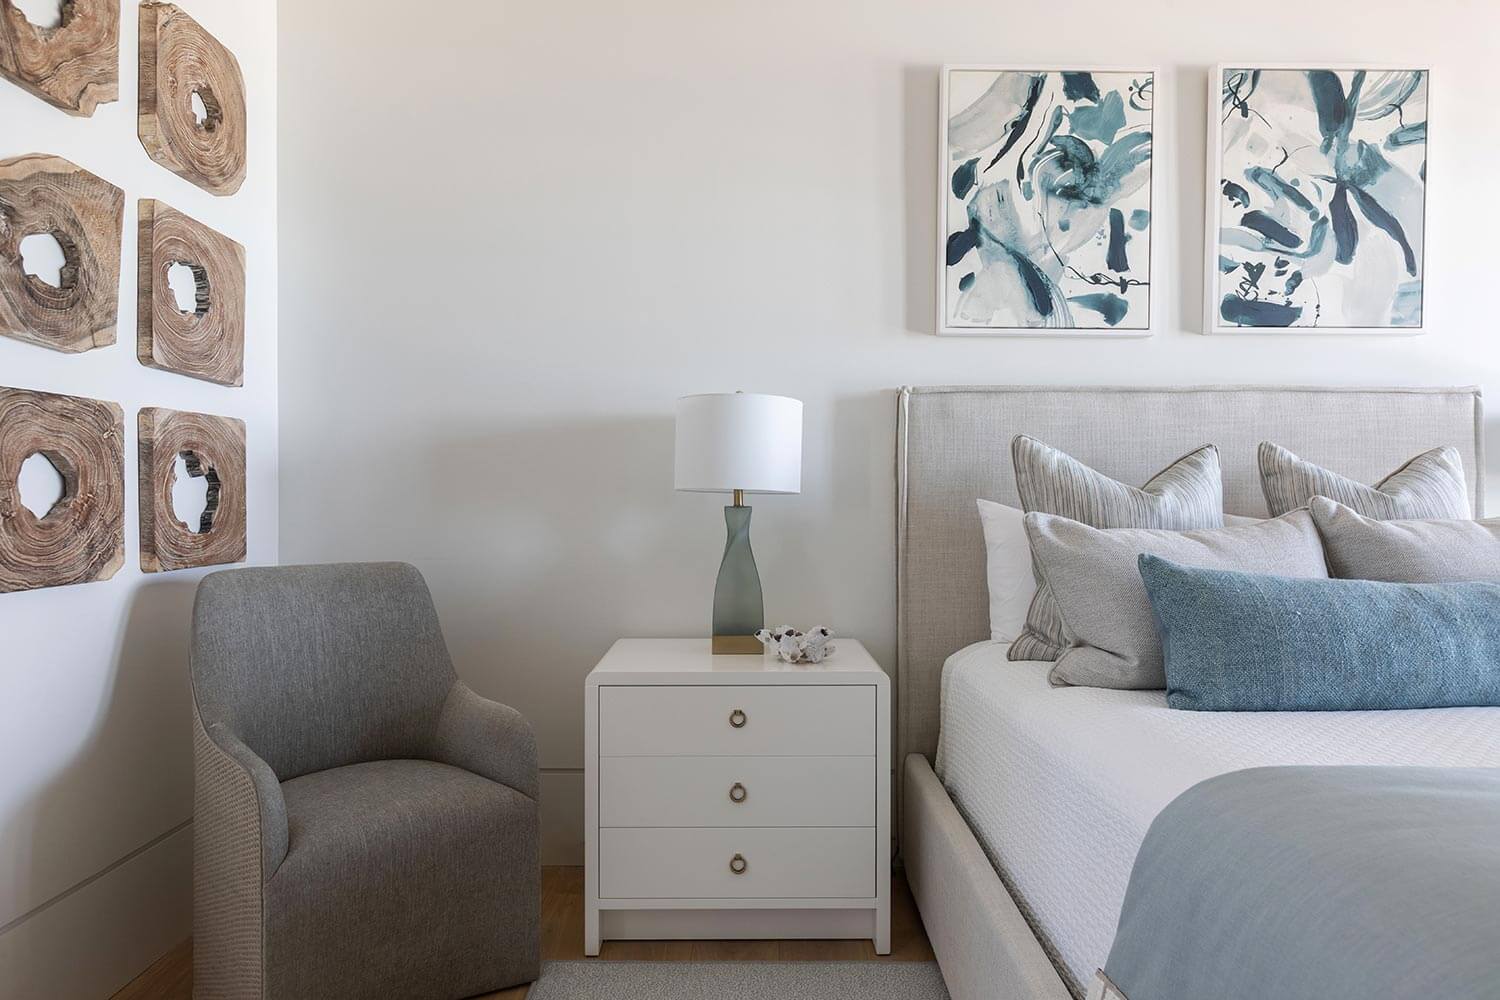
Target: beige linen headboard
{"points": [[953, 446]]}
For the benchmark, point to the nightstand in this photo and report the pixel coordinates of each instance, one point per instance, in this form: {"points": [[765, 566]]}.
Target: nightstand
{"points": [[736, 796]]}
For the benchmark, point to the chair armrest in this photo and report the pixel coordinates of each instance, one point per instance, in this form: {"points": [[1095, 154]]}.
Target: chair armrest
{"points": [[228, 772], [490, 739]]}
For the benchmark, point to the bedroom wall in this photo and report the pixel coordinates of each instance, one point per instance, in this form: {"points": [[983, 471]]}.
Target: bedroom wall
{"points": [[513, 233], [95, 739]]}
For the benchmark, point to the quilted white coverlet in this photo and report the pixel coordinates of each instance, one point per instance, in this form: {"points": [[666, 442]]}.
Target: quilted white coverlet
{"points": [[1060, 784]]}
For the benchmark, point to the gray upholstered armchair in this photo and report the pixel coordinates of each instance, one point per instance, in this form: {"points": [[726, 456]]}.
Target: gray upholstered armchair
{"points": [[365, 824]]}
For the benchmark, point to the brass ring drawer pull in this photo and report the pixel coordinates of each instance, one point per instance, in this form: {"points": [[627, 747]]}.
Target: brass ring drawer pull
{"points": [[737, 792], [737, 864], [738, 718]]}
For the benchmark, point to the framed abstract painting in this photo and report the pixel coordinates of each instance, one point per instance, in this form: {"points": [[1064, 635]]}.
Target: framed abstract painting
{"points": [[1045, 201], [1317, 185]]}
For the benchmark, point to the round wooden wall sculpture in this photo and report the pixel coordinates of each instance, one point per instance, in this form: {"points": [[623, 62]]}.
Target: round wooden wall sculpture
{"points": [[82, 538], [208, 341], [74, 65], [41, 194], [212, 447], [179, 60]]}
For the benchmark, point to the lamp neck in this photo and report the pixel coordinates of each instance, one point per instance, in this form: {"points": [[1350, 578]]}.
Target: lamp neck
{"points": [[739, 498]]}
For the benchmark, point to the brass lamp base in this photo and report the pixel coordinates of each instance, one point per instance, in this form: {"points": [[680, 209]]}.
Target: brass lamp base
{"points": [[736, 644]]}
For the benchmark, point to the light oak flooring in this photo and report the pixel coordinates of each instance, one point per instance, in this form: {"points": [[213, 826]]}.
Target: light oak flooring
{"points": [[171, 978]]}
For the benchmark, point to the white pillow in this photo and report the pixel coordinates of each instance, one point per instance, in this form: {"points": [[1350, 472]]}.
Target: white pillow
{"points": [[1008, 568]]}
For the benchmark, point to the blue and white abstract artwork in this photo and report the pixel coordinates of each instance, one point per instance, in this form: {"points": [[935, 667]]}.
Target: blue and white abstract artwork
{"points": [[1046, 219], [1321, 180]]}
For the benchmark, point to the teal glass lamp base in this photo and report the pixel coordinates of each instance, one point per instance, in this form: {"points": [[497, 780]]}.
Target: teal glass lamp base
{"points": [[739, 611]]}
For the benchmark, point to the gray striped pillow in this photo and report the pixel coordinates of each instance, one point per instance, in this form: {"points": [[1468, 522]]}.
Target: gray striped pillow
{"points": [[1430, 486], [1185, 495]]}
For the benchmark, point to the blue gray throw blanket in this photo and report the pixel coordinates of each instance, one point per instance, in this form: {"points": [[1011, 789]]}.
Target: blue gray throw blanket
{"points": [[1324, 883]]}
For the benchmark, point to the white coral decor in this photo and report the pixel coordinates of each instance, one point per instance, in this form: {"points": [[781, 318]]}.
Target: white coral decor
{"points": [[794, 646]]}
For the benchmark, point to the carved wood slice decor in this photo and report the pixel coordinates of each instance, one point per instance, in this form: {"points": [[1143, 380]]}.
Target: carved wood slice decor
{"points": [[74, 65], [86, 215], [180, 59], [82, 538], [209, 341], [212, 447]]}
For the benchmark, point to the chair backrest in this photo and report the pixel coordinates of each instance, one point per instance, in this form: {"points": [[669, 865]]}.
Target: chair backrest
{"points": [[315, 667]]}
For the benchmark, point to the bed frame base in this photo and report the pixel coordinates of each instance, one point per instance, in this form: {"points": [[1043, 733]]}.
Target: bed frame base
{"points": [[983, 944]]}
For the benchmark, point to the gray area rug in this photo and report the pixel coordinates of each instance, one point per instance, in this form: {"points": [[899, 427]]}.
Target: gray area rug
{"points": [[596, 980]]}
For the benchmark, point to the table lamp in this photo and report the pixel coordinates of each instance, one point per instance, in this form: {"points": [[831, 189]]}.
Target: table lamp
{"points": [[738, 443]]}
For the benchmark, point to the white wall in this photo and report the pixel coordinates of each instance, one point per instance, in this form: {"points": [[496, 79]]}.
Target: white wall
{"points": [[514, 232], [96, 793]]}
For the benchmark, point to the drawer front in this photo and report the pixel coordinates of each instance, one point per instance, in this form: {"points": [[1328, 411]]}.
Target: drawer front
{"points": [[790, 721], [696, 864], [737, 791]]}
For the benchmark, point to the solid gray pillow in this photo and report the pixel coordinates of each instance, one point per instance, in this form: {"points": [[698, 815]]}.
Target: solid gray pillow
{"points": [[1106, 615], [1430, 485], [1406, 551], [1189, 493]]}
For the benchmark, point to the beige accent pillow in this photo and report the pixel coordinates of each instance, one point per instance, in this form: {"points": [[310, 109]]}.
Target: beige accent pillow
{"points": [[1106, 615], [1406, 551]]}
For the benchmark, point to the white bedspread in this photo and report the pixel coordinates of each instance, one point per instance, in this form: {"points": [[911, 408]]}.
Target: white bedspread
{"points": [[1060, 784]]}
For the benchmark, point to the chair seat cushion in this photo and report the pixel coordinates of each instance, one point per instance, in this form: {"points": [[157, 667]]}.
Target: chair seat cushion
{"points": [[403, 878]]}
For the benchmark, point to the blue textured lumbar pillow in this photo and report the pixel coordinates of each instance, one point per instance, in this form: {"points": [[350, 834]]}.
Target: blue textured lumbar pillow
{"points": [[1241, 642]]}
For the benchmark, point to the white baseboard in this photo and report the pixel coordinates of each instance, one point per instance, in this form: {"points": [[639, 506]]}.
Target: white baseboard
{"points": [[562, 817], [92, 940]]}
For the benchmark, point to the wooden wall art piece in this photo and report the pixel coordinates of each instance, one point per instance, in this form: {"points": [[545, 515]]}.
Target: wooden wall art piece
{"points": [[82, 538], [179, 60], [73, 65], [42, 194], [211, 447], [208, 341]]}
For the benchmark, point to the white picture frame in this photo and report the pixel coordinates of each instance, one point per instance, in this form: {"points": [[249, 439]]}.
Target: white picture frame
{"points": [[1149, 294], [1214, 324]]}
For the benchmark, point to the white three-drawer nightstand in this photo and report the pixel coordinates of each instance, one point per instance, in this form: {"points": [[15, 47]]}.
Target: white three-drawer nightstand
{"points": [[736, 796]]}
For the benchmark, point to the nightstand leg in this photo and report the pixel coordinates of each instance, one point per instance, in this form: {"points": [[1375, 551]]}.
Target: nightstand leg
{"points": [[883, 931], [591, 932]]}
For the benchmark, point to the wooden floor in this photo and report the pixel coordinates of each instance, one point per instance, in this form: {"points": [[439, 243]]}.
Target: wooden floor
{"points": [[171, 978]]}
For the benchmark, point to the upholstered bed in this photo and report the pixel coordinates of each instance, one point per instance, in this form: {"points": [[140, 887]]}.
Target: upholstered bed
{"points": [[1018, 857], [1060, 785]]}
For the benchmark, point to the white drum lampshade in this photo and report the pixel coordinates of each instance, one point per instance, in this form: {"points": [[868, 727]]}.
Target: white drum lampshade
{"points": [[739, 441]]}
